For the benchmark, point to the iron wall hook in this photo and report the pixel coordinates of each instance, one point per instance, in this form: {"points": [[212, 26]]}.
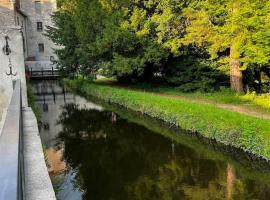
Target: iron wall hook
{"points": [[10, 69]]}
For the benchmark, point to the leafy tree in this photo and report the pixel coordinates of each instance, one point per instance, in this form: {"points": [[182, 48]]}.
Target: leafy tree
{"points": [[63, 34], [130, 39], [234, 31]]}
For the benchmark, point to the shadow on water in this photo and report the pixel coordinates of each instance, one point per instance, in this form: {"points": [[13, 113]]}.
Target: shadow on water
{"points": [[100, 151]]}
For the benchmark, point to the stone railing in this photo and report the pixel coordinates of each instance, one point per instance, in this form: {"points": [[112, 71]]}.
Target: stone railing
{"points": [[1, 107], [11, 152]]}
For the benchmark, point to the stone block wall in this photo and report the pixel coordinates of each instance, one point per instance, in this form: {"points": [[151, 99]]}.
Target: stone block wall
{"points": [[35, 37], [17, 60], [6, 13]]}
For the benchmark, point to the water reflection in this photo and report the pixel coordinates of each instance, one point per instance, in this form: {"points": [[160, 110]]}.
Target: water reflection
{"points": [[100, 155]]}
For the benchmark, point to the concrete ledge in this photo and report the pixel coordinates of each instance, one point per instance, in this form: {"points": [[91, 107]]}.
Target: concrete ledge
{"points": [[3, 108], [38, 185]]}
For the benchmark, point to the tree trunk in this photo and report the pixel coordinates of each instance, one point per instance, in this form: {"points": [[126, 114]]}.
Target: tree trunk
{"points": [[236, 76]]}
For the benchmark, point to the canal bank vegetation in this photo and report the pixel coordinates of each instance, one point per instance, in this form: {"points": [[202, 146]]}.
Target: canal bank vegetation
{"points": [[32, 101], [248, 133], [258, 104]]}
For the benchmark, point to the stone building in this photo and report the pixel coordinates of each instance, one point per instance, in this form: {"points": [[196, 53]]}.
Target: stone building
{"points": [[22, 27], [39, 47]]}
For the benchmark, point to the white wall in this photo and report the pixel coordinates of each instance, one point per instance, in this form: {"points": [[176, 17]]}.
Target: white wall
{"points": [[6, 13], [35, 37], [17, 60]]}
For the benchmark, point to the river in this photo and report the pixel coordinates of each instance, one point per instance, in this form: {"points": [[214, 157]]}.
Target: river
{"points": [[99, 151]]}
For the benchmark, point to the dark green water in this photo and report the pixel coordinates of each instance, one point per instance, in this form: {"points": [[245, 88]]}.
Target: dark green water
{"points": [[98, 151]]}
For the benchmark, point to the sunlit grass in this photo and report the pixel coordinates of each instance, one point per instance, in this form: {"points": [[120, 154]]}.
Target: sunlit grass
{"points": [[262, 100], [224, 96]]}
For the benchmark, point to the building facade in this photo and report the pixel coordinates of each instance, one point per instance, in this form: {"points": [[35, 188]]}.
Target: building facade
{"points": [[22, 27], [39, 47]]}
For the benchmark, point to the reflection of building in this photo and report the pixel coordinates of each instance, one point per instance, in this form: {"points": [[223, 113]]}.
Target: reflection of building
{"points": [[51, 98], [55, 161]]}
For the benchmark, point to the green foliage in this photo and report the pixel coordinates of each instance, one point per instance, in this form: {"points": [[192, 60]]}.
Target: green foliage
{"points": [[135, 39], [32, 101], [248, 133], [230, 30], [63, 34], [195, 74]]}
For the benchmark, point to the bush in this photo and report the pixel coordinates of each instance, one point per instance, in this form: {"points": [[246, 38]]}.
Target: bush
{"points": [[195, 74]]}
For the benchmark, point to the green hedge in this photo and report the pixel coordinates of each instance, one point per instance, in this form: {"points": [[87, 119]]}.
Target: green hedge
{"points": [[248, 133]]}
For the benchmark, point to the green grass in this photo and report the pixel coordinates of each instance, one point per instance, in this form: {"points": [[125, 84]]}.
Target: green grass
{"points": [[226, 96], [230, 128], [260, 102]]}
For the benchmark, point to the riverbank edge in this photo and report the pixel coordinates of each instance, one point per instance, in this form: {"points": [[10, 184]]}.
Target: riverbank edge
{"points": [[226, 127]]}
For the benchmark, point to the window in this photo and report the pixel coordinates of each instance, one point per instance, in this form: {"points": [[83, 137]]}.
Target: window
{"points": [[41, 47], [38, 7], [39, 26]]}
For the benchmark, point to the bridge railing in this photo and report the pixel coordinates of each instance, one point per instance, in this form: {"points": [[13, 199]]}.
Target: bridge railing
{"points": [[44, 73], [37, 65], [11, 150]]}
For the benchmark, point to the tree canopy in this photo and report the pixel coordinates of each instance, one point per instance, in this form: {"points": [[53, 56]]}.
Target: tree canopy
{"points": [[142, 40]]}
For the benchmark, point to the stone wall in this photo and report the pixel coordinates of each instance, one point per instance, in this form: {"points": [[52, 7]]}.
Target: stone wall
{"points": [[3, 108], [6, 13], [35, 37], [17, 60], [21, 20]]}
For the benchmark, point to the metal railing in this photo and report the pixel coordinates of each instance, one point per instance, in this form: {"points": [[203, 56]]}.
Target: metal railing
{"points": [[51, 73], [11, 150]]}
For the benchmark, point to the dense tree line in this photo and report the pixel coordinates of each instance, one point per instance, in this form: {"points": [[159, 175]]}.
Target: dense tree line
{"points": [[190, 44]]}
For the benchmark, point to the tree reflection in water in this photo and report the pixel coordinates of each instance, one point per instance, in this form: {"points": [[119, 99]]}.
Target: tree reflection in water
{"points": [[115, 159]]}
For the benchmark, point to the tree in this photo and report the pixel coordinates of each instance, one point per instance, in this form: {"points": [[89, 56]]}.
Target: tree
{"points": [[230, 31], [63, 34], [136, 39]]}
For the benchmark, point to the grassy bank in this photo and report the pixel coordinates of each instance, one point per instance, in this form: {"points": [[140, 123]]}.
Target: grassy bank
{"points": [[245, 132], [260, 102], [226, 96]]}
